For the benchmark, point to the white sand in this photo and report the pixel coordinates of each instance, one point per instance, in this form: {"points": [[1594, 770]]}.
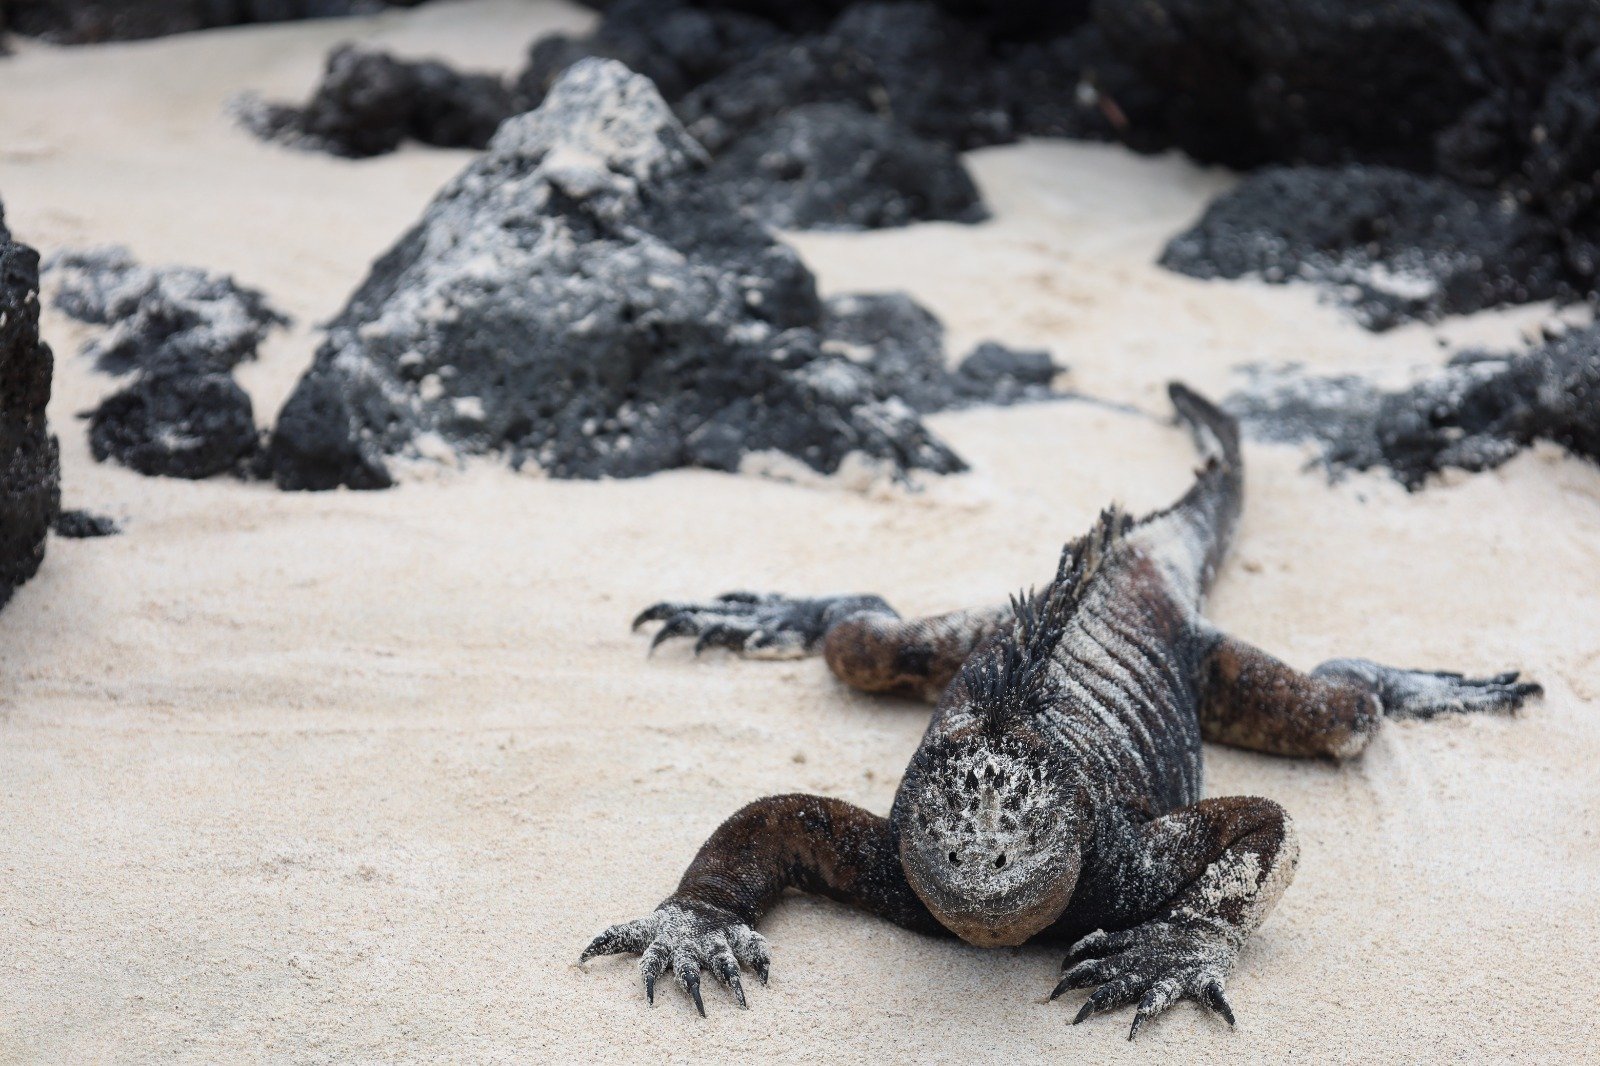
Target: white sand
{"points": [[352, 777]]}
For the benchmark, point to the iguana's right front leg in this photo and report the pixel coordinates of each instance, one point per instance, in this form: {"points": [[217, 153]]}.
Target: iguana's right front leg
{"points": [[867, 644], [811, 843]]}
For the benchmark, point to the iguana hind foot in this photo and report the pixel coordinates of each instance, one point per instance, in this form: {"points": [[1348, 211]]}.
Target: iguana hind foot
{"points": [[1430, 693]]}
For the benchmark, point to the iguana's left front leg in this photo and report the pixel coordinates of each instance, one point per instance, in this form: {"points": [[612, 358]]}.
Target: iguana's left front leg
{"points": [[1179, 897], [811, 843]]}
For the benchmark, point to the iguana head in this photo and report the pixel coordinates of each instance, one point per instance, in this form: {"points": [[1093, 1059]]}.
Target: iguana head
{"points": [[991, 823], [990, 837]]}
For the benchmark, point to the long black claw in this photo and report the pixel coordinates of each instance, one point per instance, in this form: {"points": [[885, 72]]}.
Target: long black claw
{"points": [[678, 625], [1108, 997], [763, 969], [714, 636], [1061, 986], [691, 980], [1218, 1002], [653, 965], [653, 613], [726, 966]]}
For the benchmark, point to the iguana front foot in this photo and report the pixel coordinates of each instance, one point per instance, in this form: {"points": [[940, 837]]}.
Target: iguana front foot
{"points": [[756, 625], [686, 936], [1156, 964], [1429, 693]]}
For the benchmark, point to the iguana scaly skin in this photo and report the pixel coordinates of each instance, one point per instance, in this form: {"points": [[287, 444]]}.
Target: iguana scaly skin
{"points": [[1056, 793]]}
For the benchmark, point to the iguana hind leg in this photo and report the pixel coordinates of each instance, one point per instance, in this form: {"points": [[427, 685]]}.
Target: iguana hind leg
{"points": [[1248, 699], [1176, 903], [811, 843], [867, 644]]}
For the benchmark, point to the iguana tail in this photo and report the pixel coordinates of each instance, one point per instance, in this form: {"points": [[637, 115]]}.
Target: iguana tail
{"points": [[1216, 433], [1211, 507]]}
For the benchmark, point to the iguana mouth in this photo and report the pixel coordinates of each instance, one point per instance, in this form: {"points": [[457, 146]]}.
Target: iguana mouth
{"points": [[1004, 917]]}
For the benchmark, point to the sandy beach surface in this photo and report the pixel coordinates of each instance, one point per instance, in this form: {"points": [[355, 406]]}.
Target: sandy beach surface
{"points": [[353, 777]]}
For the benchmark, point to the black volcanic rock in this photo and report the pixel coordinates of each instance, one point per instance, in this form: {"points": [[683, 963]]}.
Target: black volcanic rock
{"points": [[1247, 82], [903, 343], [93, 21], [746, 91], [677, 45], [1009, 18], [30, 469], [580, 299], [180, 331], [776, 80], [159, 313], [369, 102], [176, 419], [1474, 414], [832, 166], [934, 70], [84, 525], [1390, 245]]}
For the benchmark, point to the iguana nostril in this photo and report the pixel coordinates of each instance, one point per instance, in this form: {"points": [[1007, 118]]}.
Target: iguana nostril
{"points": [[955, 860], [1000, 861]]}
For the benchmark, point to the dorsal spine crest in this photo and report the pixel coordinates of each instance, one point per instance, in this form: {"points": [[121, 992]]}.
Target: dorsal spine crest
{"points": [[1015, 676]]}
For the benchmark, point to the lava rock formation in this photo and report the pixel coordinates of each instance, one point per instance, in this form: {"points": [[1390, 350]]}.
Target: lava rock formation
{"points": [[30, 468], [1391, 245], [159, 314], [369, 102], [752, 94], [93, 21], [582, 300], [180, 331], [1474, 414]]}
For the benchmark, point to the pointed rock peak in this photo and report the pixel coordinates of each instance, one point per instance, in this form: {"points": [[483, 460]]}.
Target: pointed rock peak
{"points": [[603, 117]]}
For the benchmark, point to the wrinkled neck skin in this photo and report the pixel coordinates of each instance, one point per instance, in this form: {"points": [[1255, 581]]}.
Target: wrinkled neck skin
{"points": [[992, 833]]}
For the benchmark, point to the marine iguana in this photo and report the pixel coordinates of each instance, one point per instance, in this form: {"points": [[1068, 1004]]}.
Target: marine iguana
{"points": [[1056, 793]]}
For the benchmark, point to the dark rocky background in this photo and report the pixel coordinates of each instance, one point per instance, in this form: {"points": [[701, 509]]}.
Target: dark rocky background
{"points": [[1417, 158], [1494, 107], [94, 21]]}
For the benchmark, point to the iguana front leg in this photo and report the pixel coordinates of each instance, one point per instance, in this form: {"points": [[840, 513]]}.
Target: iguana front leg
{"points": [[867, 644], [759, 625], [1180, 898], [811, 843], [1251, 700]]}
